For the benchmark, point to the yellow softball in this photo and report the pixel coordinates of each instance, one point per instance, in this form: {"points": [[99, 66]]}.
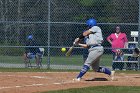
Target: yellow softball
{"points": [[63, 49]]}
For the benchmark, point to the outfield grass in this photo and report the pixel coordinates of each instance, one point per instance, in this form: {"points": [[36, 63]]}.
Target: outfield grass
{"points": [[100, 89], [34, 70], [56, 70], [106, 60]]}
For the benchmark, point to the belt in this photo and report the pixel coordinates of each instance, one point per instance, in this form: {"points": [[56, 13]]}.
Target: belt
{"points": [[92, 46]]}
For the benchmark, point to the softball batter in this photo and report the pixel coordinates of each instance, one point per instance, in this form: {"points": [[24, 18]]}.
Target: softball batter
{"points": [[93, 43]]}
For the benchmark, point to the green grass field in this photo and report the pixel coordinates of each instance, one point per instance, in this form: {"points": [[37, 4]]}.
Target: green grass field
{"points": [[106, 60], [56, 70], [100, 89]]}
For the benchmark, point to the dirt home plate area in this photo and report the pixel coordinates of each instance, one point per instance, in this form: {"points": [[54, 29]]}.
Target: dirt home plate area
{"points": [[30, 82]]}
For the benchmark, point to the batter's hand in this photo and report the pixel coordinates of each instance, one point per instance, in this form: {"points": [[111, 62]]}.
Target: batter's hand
{"points": [[76, 41], [75, 44]]}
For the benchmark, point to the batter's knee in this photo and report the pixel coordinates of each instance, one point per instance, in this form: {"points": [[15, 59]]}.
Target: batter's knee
{"points": [[87, 64]]}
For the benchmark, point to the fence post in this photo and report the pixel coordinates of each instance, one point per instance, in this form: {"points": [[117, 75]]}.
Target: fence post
{"points": [[48, 61], [139, 36]]}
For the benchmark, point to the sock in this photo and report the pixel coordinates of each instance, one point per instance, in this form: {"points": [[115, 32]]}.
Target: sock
{"points": [[104, 70], [83, 71]]}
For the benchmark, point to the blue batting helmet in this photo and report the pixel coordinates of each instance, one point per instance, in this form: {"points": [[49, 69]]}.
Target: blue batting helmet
{"points": [[91, 22], [30, 37]]}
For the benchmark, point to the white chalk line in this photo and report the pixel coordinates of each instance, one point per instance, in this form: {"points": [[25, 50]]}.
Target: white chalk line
{"points": [[128, 76], [39, 72], [32, 85], [19, 86], [18, 76]]}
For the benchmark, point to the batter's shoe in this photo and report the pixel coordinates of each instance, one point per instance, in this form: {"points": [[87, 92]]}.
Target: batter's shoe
{"points": [[76, 79], [112, 75]]}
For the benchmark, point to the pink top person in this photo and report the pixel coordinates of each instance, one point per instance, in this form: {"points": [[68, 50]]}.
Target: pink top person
{"points": [[118, 39]]}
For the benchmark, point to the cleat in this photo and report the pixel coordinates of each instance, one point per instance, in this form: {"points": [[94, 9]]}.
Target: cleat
{"points": [[76, 79], [112, 75]]}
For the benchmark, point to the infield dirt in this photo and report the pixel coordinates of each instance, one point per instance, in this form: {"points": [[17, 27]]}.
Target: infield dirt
{"points": [[29, 82]]}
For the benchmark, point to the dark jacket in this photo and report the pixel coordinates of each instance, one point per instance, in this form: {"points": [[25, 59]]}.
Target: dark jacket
{"points": [[30, 47]]}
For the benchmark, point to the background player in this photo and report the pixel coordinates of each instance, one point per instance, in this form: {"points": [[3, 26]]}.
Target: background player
{"points": [[93, 43], [32, 52]]}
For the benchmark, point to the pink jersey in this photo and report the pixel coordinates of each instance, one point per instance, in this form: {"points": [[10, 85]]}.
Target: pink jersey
{"points": [[117, 42]]}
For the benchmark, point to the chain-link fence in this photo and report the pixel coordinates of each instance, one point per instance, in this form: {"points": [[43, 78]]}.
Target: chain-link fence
{"points": [[55, 24]]}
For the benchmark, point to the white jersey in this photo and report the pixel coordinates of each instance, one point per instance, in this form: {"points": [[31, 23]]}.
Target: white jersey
{"points": [[96, 38]]}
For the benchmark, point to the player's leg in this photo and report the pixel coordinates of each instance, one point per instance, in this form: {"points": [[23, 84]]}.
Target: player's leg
{"points": [[91, 57], [113, 63], [85, 67], [37, 60], [104, 70], [95, 66], [25, 59], [83, 71]]}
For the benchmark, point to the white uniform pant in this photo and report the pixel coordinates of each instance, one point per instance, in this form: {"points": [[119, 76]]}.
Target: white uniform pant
{"points": [[94, 56]]}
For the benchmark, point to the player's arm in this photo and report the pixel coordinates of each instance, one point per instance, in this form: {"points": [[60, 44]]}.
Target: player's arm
{"points": [[83, 45], [109, 39], [86, 33], [82, 36]]}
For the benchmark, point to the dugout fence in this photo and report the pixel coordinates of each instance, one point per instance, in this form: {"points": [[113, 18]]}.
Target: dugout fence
{"points": [[56, 24]]}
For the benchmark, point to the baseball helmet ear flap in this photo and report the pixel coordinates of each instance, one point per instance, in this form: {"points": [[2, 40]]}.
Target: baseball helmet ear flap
{"points": [[91, 22]]}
